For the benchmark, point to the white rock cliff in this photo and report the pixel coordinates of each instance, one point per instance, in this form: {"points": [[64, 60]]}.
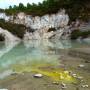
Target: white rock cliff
{"points": [[41, 25]]}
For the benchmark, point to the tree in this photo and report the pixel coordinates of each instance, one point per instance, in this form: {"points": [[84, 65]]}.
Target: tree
{"points": [[21, 7], [10, 7], [28, 5], [75, 8]]}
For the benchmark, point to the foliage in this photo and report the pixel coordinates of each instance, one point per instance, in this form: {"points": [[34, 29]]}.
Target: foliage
{"points": [[77, 33], [75, 8]]}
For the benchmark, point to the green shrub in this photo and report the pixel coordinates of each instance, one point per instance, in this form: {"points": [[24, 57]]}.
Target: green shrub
{"points": [[77, 33]]}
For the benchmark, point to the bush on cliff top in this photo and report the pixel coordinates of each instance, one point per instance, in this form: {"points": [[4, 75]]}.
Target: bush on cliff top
{"points": [[75, 8]]}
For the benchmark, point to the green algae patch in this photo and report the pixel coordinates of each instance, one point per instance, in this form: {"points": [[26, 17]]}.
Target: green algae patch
{"points": [[55, 74]]}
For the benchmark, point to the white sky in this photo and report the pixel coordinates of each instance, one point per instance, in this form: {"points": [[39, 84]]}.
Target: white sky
{"points": [[7, 3]]}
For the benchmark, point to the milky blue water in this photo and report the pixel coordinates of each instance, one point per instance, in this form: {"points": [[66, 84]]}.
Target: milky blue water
{"points": [[34, 52]]}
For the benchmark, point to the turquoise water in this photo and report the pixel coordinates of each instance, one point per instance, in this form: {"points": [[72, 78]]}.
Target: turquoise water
{"points": [[33, 53]]}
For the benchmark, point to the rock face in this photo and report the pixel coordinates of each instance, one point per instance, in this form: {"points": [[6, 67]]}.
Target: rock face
{"points": [[41, 25], [5, 17]]}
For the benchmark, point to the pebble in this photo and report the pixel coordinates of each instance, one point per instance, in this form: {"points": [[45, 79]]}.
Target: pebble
{"points": [[81, 65], [38, 75], [82, 81], [56, 83], [85, 86], [63, 85], [74, 75], [79, 77]]}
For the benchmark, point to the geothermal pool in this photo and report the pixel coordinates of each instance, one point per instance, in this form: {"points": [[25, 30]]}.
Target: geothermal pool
{"points": [[59, 62]]}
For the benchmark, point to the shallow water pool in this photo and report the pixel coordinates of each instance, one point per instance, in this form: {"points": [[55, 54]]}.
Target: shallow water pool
{"points": [[61, 61]]}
